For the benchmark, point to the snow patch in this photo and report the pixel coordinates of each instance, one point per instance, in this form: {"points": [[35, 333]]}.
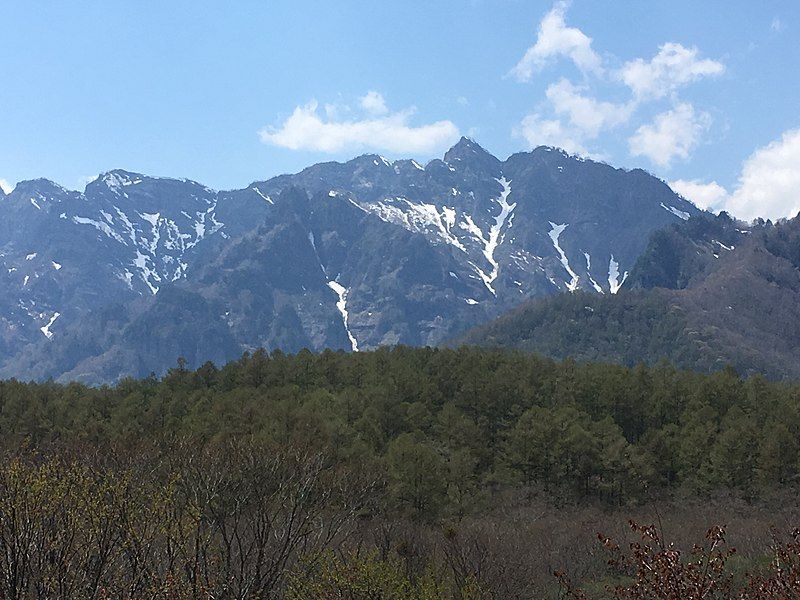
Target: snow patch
{"points": [[678, 213], [127, 277], [46, 329], [496, 234], [151, 218], [614, 284], [266, 198], [342, 292], [114, 182], [128, 225], [554, 234], [595, 285], [419, 218], [140, 262], [100, 226], [723, 246]]}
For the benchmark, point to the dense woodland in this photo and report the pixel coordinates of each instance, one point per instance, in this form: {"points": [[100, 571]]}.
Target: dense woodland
{"points": [[399, 473]]}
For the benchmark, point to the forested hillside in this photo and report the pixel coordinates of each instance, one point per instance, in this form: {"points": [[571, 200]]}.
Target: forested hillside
{"points": [[704, 294], [248, 476], [495, 417]]}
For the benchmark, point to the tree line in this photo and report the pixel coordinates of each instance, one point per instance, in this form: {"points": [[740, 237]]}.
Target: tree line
{"points": [[449, 426]]}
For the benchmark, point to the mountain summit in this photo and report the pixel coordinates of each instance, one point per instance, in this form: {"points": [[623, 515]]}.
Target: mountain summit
{"points": [[470, 152]]}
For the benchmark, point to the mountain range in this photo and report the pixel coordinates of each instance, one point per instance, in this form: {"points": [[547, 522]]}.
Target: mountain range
{"points": [[134, 271]]}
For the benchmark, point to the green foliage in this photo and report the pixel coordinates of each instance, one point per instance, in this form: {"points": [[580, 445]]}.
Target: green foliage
{"points": [[445, 429]]}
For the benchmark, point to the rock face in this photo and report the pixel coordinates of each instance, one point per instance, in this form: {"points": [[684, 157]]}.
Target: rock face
{"points": [[135, 271]]}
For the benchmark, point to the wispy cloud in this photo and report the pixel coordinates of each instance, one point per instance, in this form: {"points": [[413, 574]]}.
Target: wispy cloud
{"points": [[376, 128], [672, 134], [556, 40], [580, 118], [673, 67], [540, 131], [374, 103], [585, 113]]}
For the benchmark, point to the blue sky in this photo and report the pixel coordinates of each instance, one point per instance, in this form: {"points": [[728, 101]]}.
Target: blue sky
{"points": [[705, 95]]}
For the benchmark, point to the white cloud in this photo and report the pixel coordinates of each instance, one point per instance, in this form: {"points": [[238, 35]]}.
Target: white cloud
{"points": [[556, 40], [579, 119], [539, 131], [306, 130], [585, 113], [576, 116], [673, 134], [85, 180], [6, 186], [768, 186], [673, 67], [776, 25], [374, 103], [708, 196]]}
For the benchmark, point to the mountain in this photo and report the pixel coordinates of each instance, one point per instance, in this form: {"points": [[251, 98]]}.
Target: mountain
{"points": [[136, 270], [704, 294]]}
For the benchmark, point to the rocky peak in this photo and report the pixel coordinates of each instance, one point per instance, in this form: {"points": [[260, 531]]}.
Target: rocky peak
{"points": [[468, 153]]}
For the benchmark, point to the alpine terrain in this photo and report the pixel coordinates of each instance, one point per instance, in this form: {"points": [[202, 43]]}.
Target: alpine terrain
{"points": [[136, 271]]}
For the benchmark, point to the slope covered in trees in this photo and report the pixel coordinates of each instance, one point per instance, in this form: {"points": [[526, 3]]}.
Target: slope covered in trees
{"points": [[705, 294], [471, 417]]}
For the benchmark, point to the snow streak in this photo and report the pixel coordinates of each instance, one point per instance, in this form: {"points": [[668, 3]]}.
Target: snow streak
{"points": [[595, 285], [496, 234], [678, 213], [342, 291], [46, 329], [554, 234], [613, 276]]}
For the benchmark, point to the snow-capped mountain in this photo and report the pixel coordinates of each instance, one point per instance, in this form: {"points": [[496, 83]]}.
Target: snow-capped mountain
{"points": [[137, 270]]}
